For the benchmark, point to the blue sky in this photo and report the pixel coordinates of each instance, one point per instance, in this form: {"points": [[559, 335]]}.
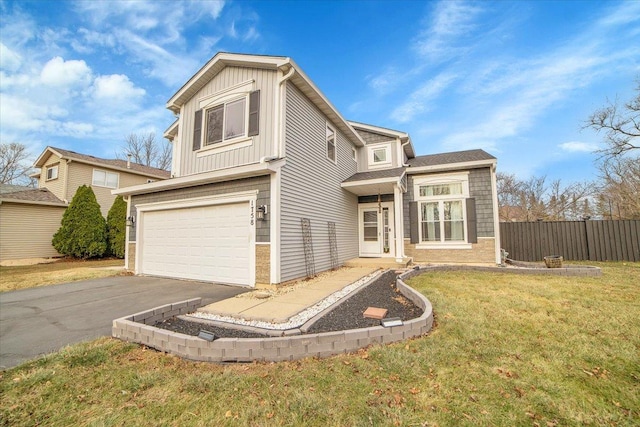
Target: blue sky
{"points": [[517, 79]]}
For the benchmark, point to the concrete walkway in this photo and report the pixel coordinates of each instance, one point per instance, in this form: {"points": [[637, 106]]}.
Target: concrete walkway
{"points": [[280, 308]]}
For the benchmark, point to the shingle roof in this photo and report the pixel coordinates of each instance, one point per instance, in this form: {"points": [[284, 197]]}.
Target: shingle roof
{"points": [[29, 194], [117, 163], [453, 157], [385, 173]]}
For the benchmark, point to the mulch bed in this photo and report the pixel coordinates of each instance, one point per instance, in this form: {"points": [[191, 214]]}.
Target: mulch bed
{"points": [[348, 315]]}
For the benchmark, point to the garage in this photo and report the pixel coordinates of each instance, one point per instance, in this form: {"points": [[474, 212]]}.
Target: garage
{"points": [[212, 243]]}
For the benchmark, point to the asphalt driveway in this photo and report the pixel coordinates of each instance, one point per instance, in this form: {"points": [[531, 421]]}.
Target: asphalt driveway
{"points": [[41, 320]]}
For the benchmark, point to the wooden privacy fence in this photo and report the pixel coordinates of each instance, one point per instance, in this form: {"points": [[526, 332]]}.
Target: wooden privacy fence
{"points": [[574, 240]]}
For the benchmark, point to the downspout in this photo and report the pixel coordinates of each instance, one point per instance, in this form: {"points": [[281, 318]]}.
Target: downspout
{"points": [[275, 182], [278, 144], [404, 165]]}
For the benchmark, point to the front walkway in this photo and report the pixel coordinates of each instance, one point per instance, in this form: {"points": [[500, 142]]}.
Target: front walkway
{"points": [[287, 302]]}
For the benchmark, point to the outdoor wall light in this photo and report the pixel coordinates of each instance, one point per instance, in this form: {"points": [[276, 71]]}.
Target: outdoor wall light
{"points": [[261, 212], [131, 221]]}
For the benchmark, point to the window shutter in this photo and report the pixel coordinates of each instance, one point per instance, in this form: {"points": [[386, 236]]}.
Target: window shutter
{"points": [[254, 113], [197, 130], [414, 222], [472, 223]]}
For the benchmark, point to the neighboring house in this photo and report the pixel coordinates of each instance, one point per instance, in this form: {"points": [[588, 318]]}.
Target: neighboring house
{"points": [[63, 171], [28, 219], [271, 183]]}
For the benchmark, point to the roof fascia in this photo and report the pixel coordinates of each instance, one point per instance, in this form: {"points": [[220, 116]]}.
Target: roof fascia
{"points": [[452, 166], [391, 179], [43, 157], [171, 131], [255, 169], [115, 168], [227, 59], [403, 136], [31, 202], [326, 106]]}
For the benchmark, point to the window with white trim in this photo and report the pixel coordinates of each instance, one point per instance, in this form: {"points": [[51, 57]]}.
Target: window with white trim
{"points": [[379, 155], [442, 208], [331, 144], [52, 172], [103, 178], [225, 121]]}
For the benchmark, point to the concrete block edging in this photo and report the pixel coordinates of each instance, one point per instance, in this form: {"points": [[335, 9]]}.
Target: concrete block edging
{"points": [[138, 328]]}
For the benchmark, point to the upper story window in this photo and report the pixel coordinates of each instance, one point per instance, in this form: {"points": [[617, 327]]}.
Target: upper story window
{"points": [[226, 121], [228, 117], [380, 155], [52, 172], [331, 144], [102, 178], [442, 208], [354, 153]]}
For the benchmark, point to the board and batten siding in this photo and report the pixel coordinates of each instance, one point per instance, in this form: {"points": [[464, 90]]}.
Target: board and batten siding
{"points": [[310, 188], [26, 230], [479, 189], [262, 146], [261, 184]]}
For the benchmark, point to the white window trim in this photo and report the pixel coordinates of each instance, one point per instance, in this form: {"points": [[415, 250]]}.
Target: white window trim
{"points": [[374, 147], [355, 154], [105, 178], [55, 167], [461, 177], [335, 145], [233, 93]]}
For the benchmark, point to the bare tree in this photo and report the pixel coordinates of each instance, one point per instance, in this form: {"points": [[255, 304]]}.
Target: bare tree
{"points": [[144, 149], [14, 169], [536, 199], [620, 186], [621, 125]]}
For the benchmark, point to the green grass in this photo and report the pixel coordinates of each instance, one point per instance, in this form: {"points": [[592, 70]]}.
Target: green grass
{"points": [[505, 350], [62, 271]]}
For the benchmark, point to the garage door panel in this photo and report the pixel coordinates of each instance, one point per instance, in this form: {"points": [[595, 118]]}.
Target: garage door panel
{"points": [[210, 243]]}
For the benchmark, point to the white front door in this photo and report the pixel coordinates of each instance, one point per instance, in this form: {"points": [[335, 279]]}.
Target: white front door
{"points": [[376, 230]]}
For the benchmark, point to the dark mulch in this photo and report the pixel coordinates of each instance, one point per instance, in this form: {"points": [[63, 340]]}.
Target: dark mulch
{"points": [[348, 315]]}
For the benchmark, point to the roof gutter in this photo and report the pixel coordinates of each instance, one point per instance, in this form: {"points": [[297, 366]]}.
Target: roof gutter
{"points": [[452, 166]]}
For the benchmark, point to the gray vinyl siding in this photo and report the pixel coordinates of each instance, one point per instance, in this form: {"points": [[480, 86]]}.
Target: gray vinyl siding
{"points": [[479, 188], [310, 188], [265, 81], [261, 183]]}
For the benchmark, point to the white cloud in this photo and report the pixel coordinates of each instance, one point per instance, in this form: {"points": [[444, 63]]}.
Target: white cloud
{"points": [[578, 147], [58, 72], [420, 100], [116, 87], [451, 22], [9, 60]]}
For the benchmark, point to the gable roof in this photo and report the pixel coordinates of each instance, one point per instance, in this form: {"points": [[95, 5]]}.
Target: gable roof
{"points": [[403, 136], [117, 164], [276, 63], [466, 158], [20, 194]]}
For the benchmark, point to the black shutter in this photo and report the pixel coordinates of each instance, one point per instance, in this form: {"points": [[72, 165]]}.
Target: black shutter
{"points": [[414, 222], [472, 223], [197, 130], [254, 113]]}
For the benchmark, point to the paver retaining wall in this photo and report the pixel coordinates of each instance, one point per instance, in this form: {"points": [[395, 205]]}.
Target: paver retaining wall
{"points": [[138, 328]]}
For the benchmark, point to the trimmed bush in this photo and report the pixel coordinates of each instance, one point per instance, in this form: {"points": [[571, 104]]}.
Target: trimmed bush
{"points": [[116, 227], [83, 230]]}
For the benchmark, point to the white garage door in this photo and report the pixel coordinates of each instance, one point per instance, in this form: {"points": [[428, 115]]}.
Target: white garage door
{"points": [[208, 243]]}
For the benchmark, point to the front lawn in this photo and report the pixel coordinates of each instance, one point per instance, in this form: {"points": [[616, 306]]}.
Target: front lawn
{"points": [[506, 350], [62, 271]]}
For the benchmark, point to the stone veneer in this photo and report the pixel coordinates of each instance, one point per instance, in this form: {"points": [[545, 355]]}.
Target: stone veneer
{"points": [[482, 252], [138, 328], [263, 264]]}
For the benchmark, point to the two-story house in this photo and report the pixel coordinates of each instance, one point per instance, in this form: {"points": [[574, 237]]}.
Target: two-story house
{"points": [[63, 171], [270, 183]]}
